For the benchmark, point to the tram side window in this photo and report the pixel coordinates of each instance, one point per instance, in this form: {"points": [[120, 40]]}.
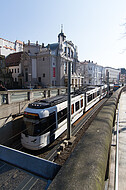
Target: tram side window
{"points": [[77, 105], [89, 98], [98, 93], [93, 95], [62, 115], [52, 121], [81, 103], [72, 109]]}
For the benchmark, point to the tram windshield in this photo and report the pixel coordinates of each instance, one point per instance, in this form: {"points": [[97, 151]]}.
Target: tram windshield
{"points": [[36, 129], [39, 127]]}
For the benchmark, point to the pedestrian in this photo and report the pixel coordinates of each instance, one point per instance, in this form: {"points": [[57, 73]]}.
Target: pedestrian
{"points": [[4, 96], [2, 88]]}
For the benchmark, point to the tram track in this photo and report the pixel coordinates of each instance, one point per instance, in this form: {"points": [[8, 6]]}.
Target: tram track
{"points": [[84, 119], [50, 152], [76, 128]]}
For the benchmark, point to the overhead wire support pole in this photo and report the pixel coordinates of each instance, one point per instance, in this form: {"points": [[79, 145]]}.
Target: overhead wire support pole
{"points": [[69, 103], [108, 84]]}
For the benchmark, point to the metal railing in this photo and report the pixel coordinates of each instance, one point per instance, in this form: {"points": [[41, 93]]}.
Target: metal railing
{"points": [[117, 152], [12, 96]]}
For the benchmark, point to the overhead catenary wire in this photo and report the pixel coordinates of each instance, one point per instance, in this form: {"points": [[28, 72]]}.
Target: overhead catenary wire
{"points": [[14, 136], [33, 124]]}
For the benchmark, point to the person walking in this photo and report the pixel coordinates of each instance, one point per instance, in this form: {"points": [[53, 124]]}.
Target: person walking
{"points": [[2, 88], [4, 96]]}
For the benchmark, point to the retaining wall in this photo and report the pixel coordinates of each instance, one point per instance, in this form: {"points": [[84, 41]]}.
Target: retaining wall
{"points": [[86, 167]]}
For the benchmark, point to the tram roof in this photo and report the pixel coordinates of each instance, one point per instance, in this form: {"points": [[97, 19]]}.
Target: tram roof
{"points": [[49, 102]]}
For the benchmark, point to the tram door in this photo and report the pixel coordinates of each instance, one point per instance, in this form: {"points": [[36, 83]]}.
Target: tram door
{"points": [[52, 124]]}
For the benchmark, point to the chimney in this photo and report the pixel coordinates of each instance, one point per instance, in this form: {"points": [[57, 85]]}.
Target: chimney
{"points": [[36, 43], [42, 45], [29, 42], [49, 46]]}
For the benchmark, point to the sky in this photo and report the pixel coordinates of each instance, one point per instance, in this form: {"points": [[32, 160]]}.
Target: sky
{"points": [[96, 27]]}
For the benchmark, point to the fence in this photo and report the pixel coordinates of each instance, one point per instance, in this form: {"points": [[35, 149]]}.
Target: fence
{"points": [[12, 96]]}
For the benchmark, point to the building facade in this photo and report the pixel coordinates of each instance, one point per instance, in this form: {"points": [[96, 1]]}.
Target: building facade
{"points": [[5, 77], [114, 75], [14, 66], [47, 66], [93, 73], [8, 47]]}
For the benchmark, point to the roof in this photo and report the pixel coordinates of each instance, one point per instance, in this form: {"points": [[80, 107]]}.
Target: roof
{"points": [[61, 34], [13, 59], [49, 102], [6, 40], [53, 46]]}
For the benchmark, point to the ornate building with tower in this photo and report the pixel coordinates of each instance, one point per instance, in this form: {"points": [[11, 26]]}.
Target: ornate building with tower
{"points": [[47, 66]]}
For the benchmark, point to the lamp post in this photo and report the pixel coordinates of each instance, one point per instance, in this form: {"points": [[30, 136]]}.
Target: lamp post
{"points": [[69, 103], [107, 84], [30, 79]]}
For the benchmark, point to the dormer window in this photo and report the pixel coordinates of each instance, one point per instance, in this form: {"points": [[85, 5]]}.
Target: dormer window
{"points": [[68, 52], [71, 54], [65, 51]]}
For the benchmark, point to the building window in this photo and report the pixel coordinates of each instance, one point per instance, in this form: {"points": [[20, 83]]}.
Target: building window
{"points": [[12, 70], [43, 59], [26, 75], [54, 72], [53, 64], [43, 74], [15, 70], [72, 69], [39, 79], [52, 83], [71, 54], [68, 52], [65, 51], [18, 70], [65, 68], [15, 79], [72, 81]]}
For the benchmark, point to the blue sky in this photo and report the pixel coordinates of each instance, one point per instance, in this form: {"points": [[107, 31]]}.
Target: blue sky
{"points": [[95, 26]]}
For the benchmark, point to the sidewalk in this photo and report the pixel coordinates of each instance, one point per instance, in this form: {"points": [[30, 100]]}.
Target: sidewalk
{"points": [[122, 142], [122, 148]]}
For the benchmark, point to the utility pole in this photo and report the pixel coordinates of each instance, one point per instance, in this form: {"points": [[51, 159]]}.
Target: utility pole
{"points": [[69, 103], [107, 84], [30, 79]]}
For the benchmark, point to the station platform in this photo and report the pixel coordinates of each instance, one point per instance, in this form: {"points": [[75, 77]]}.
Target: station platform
{"points": [[122, 147]]}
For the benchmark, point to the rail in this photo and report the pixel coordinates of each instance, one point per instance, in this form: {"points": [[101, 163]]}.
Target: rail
{"points": [[12, 96], [117, 148]]}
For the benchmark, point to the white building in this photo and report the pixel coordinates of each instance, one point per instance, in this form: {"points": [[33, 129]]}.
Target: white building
{"points": [[8, 47], [93, 73], [114, 74]]}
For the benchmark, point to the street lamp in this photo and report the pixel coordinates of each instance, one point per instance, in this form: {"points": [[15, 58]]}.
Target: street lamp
{"points": [[30, 79]]}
